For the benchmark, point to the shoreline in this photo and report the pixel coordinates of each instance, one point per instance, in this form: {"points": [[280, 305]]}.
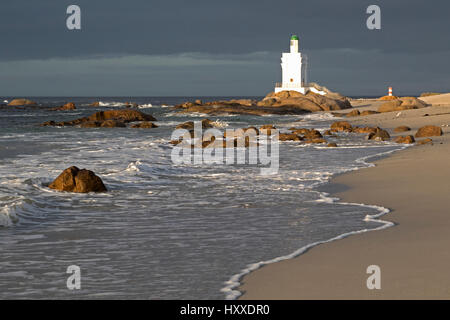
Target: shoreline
{"points": [[337, 269], [236, 280]]}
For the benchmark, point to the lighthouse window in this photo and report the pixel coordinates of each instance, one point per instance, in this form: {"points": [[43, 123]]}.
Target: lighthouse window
{"points": [[292, 80]]}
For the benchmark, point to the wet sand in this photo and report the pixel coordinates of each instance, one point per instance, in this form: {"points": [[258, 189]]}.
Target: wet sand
{"points": [[414, 255]]}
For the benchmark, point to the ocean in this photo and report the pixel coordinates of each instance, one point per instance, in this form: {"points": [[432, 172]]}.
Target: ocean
{"points": [[162, 231]]}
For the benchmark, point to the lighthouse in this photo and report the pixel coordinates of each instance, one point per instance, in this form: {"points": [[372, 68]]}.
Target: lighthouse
{"points": [[292, 68]]}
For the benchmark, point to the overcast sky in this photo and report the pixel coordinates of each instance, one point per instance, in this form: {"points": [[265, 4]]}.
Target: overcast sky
{"points": [[209, 47]]}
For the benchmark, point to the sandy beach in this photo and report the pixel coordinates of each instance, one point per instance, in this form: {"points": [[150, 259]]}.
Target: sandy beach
{"points": [[414, 255]]}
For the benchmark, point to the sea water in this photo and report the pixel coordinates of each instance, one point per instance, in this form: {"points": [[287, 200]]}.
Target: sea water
{"points": [[163, 231]]}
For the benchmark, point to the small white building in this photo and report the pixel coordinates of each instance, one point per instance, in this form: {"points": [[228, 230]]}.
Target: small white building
{"points": [[293, 73]]}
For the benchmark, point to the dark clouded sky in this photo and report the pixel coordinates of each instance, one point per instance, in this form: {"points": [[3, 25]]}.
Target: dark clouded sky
{"points": [[176, 47]]}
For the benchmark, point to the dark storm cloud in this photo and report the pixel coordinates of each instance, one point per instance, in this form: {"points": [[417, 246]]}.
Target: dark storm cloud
{"points": [[36, 29], [333, 32]]}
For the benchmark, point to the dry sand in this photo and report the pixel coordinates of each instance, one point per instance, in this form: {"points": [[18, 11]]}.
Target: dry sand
{"points": [[414, 255]]}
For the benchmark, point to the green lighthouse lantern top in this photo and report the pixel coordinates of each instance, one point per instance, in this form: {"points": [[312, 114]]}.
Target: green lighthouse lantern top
{"points": [[294, 37]]}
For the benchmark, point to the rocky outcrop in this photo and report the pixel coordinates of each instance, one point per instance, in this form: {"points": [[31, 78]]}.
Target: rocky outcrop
{"points": [[405, 103], [100, 119], [404, 139], [75, 180], [21, 102], [284, 102], [95, 104], [428, 131], [402, 129]]}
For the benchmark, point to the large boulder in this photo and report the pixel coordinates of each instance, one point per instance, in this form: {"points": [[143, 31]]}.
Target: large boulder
{"points": [[429, 131], [405, 103], [328, 103], [365, 129], [310, 101], [21, 102], [302, 103], [341, 126], [404, 139], [75, 180]]}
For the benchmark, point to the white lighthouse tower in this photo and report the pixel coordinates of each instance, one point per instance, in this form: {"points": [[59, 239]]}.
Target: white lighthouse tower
{"points": [[293, 77]]}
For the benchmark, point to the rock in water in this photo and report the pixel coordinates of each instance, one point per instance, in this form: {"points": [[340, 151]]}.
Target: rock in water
{"points": [[96, 119], [67, 106], [289, 137], [21, 102], [75, 180], [206, 123], [341, 126], [429, 131], [332, 145], [379, 135], [144, 125]]}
